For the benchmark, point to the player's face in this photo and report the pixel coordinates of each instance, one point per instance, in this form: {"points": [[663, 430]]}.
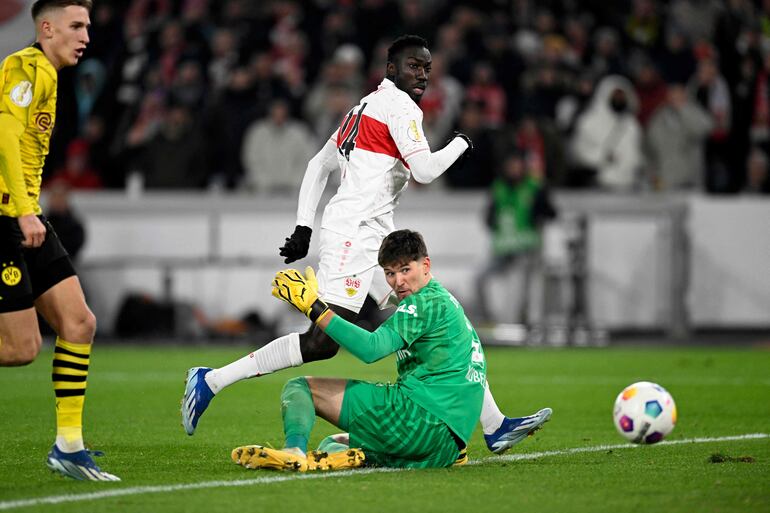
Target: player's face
{"points": [[406, 279], [411, 71], [66, 30]]}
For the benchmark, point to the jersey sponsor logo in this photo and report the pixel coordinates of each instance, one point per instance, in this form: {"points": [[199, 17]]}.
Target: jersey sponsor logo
{"points": [[414, 132], [21, 94], [43, 121], [11, 275], [408, 309]]}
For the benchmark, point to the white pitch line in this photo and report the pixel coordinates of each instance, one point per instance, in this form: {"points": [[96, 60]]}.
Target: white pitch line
{"points": [[141, 490]]}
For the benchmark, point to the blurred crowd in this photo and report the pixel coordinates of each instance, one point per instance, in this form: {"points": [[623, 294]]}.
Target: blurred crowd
{"points": [[622, 96]]}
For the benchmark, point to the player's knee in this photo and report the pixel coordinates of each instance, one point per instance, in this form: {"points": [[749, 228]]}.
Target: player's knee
{"points": [[19, 350], [80, 327], [315, 346]]}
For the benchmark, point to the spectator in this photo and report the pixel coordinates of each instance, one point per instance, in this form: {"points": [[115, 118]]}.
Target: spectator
{"points": [[573, 103], [441, 103], [175, 158], [676, 60], [77, 172], [88, 86], [476, 171], [275, 151], [189, 88], [675, 139], [606, 148], [710, 90], [606, 58], [341, 77], [487, 92], [224, 58], [64, 220], [758, 179], [650, 88], [644, 25], [519, 205]]}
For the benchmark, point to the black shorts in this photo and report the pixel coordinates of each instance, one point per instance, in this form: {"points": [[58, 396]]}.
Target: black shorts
{"points": [[26, 273]]}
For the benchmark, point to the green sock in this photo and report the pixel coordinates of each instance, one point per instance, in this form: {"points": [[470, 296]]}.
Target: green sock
{"points": [[328, 444], [298, 413]]}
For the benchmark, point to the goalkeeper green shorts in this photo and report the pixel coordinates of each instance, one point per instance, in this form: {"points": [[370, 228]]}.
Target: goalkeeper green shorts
{"points": [[394, 431]]}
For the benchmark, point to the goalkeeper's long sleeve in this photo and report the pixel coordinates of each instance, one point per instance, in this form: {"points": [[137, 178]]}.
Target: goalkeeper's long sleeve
{"points": [[365, 345]]}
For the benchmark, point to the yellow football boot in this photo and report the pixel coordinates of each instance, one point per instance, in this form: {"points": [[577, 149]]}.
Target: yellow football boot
{"points": [[321, 460], [462, 458], [256, 456]]}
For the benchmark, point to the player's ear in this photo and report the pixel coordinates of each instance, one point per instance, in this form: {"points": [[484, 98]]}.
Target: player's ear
{"points": [[426, 265], [390, 69]]}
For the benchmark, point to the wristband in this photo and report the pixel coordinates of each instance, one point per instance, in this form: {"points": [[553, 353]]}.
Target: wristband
{"points": [[318, 311]]}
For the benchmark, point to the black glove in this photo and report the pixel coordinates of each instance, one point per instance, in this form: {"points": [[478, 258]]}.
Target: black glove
{"points": [[297, 245], [466, 153]]}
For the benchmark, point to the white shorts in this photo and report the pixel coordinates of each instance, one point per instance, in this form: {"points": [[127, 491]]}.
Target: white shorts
{"points": [[348, 268]]}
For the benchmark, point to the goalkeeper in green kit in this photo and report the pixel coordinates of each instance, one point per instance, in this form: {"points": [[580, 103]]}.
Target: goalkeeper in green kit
{"points": [[423, 420]]}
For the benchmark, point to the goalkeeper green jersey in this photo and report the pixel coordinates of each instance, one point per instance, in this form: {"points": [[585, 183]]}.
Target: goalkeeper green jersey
{"points": [[442, 364]]}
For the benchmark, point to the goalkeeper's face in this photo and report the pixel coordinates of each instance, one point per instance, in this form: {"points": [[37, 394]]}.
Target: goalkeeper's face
{"points": [[408, 278]]}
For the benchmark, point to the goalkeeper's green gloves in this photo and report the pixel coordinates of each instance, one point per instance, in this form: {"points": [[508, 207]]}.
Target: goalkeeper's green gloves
{"points": [[301, 292]]}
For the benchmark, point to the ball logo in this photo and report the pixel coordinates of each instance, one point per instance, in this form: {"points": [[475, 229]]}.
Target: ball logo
{"points": [[11, 275], [43, 121], [21, 94]]}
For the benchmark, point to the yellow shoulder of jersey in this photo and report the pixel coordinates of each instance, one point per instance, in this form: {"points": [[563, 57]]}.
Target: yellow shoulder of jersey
{"points": [[28, 63]]}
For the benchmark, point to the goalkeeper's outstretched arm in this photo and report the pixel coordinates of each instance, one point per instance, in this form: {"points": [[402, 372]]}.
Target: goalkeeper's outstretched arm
{"points": [[302, 293]]}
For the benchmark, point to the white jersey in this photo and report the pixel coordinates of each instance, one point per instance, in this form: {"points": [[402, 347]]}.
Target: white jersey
{"points": [[372, 144]]}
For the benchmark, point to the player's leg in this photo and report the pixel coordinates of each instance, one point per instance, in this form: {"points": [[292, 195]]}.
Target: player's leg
{"points": [[345, 272], [64, 308], [20, 338], [19, 332], [393, 430], [59, 299], [302, 400], [501, 432]]}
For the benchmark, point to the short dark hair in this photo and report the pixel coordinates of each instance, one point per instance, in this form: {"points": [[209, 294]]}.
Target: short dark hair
{"points": [[43, 5], [405, 41], [401, 247]]}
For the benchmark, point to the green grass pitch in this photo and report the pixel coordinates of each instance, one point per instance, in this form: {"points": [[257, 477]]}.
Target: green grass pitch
{"points": [[132, 413]]}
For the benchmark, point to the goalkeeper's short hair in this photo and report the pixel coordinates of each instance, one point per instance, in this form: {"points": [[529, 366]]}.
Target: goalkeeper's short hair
{"points": [[401, 247]]}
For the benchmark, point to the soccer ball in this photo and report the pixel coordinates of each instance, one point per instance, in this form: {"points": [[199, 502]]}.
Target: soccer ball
{"points": [[644, 413]]}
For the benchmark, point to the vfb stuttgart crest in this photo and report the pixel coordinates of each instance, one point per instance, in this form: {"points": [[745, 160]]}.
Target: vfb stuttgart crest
{"points": [[352, 284], [11, 275]]}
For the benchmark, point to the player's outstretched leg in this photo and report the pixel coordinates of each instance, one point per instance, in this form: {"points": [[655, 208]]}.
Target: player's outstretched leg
{"points": [[514, 430], [77, 465], [197, 396]]}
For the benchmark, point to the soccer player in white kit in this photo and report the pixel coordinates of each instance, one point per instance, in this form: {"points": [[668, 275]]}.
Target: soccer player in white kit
{"points": [[378, 146]]}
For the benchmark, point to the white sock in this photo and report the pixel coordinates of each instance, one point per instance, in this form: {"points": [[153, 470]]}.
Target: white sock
{"points": [[491, 416], [72, 446], [281, 353]]}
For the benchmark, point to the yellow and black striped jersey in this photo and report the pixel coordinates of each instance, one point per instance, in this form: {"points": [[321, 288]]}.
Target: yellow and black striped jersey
{"points": [[27, 115]]}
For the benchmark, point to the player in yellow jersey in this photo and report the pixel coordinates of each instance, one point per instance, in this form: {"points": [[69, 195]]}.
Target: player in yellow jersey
{"points": [[36, 274]]}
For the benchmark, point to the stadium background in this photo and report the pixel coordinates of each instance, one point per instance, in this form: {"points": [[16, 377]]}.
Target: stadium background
{"points": [[184, 214]]}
